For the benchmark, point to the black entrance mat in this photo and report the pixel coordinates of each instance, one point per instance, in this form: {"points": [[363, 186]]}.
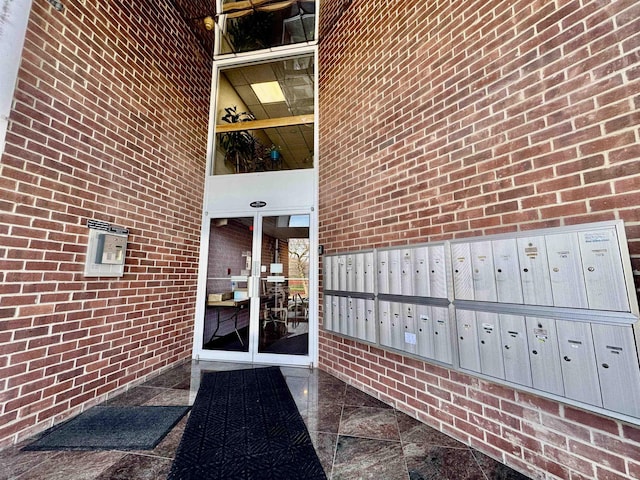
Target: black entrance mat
{"points": [[112, 428], [244, 425]]}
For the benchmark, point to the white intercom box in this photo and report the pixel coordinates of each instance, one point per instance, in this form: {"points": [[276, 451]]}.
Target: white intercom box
{"points": [[106, 250]]}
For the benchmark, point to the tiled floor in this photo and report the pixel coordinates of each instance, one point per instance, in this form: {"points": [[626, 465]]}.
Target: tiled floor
{"points": [[356, 437]]}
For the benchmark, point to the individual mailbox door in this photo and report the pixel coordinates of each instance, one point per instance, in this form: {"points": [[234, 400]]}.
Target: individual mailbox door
{"points": [[369, 320], [491, 360], [397, 326], [515, 351], [424, 331], [484, 282], [350, 267], [335, 272], [369, 272], [409, 328], [384, 322], [406, 271], [507, 270], [618, 368], [360, 330], [461, 264], [544, 355], [441, 334], [336, 314], [326, 273], [327, 314], [534, 271], [351, 317], [565, 270], [578, 360], [468, 345], [383, 271], [602, 268], [342, 273], [437, 272], [395, 270], [421, 272], [344, 315], [359, 273]]}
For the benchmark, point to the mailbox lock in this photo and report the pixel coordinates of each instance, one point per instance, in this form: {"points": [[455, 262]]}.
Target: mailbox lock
{"points": [[567, 359], [535, 352], [436, 333], [605, 365], [591, 269], [525, 270], [499, 270], [507, 347], [482, 342], [461, 338]]}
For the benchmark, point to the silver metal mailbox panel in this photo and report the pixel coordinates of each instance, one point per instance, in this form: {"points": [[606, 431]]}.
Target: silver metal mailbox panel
{"points": [[602, 268], [384, 322], [383, 271], [351, 317], [342, 273], [344, 315], [437, 272], [565, 270], [395, 269], [484, 282], [534, 271], [441, 334], [335, 272], [350, 267], [468, 345], [336, 314], [424, 331], [507, 270], [369, 272], [461, 264], [360, 269], [327, 314], [544, 355], [397, 326], [421, 272], [406, 271], [370, 320], [360, 313], [579, 372], [491, 360], [617, 368], [515, 351], [410, 340], [327, 263]]}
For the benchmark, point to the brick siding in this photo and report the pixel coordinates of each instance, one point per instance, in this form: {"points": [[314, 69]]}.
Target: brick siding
{"points": [[451, 119], [109, 123]]}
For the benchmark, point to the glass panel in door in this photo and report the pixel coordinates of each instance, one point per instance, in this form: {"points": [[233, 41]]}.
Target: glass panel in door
{"points": [[228, 306], [284, 285]]}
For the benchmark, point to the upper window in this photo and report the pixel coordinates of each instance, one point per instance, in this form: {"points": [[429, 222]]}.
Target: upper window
{"points": [[251, 25]]}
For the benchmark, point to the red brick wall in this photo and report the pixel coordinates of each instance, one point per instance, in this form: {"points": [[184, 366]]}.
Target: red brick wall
{"points": [[450, 119], [109, 122]]}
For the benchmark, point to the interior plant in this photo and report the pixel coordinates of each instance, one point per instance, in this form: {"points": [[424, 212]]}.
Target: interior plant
{"points": [[240, 146]]}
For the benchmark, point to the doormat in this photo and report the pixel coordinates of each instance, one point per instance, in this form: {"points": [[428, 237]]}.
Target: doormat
{"points": [[245, 425], [112, 428]]}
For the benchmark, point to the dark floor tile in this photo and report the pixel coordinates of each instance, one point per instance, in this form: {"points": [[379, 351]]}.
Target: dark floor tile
{"points": [[325, 446], [495, 470], [169, 379], [171, 397], [357, 398], [323, 418], [137, 467], [414, 431], [364, 458], [135, 397], [13, 462], [369, 422], [330, 392], [73, 466], [428, 462]]}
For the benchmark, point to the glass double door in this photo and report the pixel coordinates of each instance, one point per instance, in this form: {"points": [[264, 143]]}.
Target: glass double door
{"points": [[257, 289]]}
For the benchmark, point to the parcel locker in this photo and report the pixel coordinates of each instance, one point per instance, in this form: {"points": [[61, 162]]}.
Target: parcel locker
{"points": [[395, 270], [491, 359], [437, 272], [424, 332], [544, 355], [507, 270], [350, 268], [468, 345], [335, 272], [618, 369], [344, 315], [327, 263], [327, 314], [515, 351], [409, 328], [351, 317], [441, 334], [578, 360], [368, 315], [534, 271], [565, 270], [406, 271], [369, 272], [383, 271], [602, 269], [420, 269], [484, 281], [342, 272], [461, 264]]}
